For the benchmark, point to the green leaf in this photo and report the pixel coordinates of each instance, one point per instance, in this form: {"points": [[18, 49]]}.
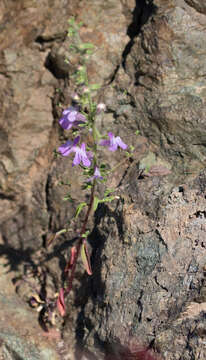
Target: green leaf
{"points": [[107, 199], [137, 132], [85, 235], [73, 47], [56, 154], [89, 52], [108, 191], [79, 208], [71, 21], [128, 154], [86, 258], [54, 236], [68, 198], [86, 46], [62, 231], [86, 186], [95, 203], [94, 86]]}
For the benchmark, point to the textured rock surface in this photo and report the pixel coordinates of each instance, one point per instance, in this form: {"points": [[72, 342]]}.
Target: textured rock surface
{"points": [[148, 248], [21, 338], [150, 267], [166, 64]]}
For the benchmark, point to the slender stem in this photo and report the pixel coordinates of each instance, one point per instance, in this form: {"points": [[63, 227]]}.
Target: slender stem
{"points": [[80, 240]]}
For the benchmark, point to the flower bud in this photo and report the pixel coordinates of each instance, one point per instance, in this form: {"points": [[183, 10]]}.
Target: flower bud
{"points": [[101, 107], [85, 90], [75, 97]]}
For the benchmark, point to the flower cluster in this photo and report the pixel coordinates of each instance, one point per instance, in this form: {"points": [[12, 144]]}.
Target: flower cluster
{"points": [[72, 117]]}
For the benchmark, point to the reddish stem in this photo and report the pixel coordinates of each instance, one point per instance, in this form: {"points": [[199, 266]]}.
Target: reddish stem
{"points": [[80, 241]]}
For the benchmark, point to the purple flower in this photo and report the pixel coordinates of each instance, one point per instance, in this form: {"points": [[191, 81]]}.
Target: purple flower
{"points": [[71, 117], [113, 142], [81, 155], [69, 147], [97, 175]]}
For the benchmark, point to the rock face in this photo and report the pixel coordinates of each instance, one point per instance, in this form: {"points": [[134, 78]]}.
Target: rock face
{"points": [[166, 66], [149, 251], [151, 267]]}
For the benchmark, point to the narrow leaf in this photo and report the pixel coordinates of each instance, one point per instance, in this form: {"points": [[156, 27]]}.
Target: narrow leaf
{"points": [[79, 209], [95, 203], [108, 191], [71, 261], [108, 199], [85, 235], [60, 303], [95, 87], [53, 237], [86, 258], [86, 46]]}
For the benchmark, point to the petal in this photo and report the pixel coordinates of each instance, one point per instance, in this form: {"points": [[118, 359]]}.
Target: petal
{"points": [[90, 155], [83, 147], [76, 140], [104, 142], [90, 179], [113, 147], [65, 123], [85, 160], [72, 116], [121, 143], [66, 148], [77, 158], [66, 111], [80, 117], [97, 172], [111, 135]]}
